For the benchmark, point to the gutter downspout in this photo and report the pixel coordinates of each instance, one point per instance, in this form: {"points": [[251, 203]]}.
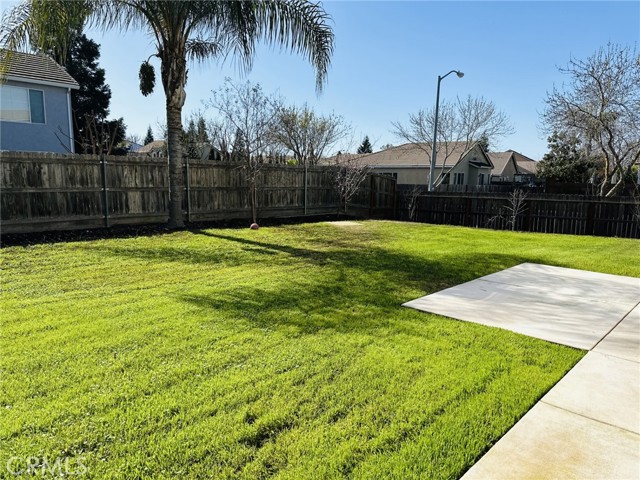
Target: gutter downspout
{"points": [[73, 141]]}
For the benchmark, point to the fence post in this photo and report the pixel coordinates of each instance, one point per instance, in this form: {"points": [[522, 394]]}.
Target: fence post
{"points": [[527, 218], [371, 185], [105, 196], [188, 189], [305, 175], [394, 189], [467, 212], [590, 227]]}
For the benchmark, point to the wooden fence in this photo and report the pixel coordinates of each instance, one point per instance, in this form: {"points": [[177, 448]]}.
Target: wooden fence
{"points": [[42, 192], [570, 214]]}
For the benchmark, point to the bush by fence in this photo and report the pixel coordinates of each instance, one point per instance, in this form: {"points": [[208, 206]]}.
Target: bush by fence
{"points": [[41, 192], [577, 215]]}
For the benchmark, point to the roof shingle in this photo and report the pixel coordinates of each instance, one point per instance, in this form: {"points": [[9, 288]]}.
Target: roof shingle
{"points": [[39, 69], [499, 160], [410, 154]]}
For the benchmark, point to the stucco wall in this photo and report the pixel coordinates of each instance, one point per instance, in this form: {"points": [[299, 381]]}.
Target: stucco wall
{"points": [[507, 174], [406, 176], [37, 137]]}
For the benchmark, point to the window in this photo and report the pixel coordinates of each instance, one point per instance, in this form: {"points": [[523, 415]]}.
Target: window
{"points": [[445, 178], [481, 179], [19, 104], [458, 178]]}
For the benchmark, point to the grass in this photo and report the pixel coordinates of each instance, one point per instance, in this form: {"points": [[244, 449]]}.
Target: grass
{"points": [[281, 352]]}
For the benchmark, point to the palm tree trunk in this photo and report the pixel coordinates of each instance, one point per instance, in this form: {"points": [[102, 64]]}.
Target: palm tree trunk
{"points": [[174, 79], [176, 176]]}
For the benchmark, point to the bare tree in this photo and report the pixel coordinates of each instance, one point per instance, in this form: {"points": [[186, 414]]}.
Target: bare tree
{"points": [[411, 197], [247, 112], [350, 172], [307, 135], [221, 135], [461, 124], [601, 107], [516, 207], [512, 211], [98, 136], [134, 138], [161, 130]]}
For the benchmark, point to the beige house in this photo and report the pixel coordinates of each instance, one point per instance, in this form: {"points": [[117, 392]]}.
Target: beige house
{"points": [[512, 167], [409, 164], [157, 148]]}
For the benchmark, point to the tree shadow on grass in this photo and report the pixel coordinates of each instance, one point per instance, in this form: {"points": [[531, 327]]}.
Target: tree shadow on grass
{"points": [[343, 288], [359, 288], [438, 272]]}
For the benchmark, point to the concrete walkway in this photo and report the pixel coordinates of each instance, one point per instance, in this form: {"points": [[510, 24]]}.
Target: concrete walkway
{"points": [[588, 425]]}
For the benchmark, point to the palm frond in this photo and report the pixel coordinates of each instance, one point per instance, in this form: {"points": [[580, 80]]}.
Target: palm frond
{"points": [[200, 49], [44, 25], [301, 27]]}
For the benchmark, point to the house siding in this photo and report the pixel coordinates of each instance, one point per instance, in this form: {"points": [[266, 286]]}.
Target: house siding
{"points": [[52, 136], [507, 174], [405, 176]]}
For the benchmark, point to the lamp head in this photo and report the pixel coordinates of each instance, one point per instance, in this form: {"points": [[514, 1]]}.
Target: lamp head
{"points": [[459, 74]]}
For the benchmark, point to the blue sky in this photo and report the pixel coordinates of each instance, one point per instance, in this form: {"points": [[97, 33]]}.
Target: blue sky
{"points": [[388, 55]]}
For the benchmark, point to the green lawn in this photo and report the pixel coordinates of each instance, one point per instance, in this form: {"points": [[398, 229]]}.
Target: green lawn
{"points": [[280, 352]]}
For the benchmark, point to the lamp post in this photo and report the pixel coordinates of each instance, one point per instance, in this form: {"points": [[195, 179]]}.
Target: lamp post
{"points": [[435, 127]]}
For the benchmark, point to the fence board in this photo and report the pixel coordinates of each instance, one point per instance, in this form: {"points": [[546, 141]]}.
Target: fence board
{"points": [[568, 214], [41, 192]]}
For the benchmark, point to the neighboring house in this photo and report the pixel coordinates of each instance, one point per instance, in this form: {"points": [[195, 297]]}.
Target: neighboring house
{"points": [[512, 167], [409, 164], [157, 148], [35, 105], [132, 147]]}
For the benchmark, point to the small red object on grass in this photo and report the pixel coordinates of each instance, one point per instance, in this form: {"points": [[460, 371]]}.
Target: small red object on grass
{"points": [[254, 226]]}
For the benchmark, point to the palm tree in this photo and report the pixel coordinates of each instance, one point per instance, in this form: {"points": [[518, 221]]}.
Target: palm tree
{"points": [[183, 31]]}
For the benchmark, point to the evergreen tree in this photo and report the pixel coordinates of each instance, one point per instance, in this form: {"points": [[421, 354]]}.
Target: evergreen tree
{"points": [[92, 132], [149, 138], [484, 143], [566, 161], [202, 135], [94, 95], [239, 149], [190, 139], [91, 101], [365, 146]]}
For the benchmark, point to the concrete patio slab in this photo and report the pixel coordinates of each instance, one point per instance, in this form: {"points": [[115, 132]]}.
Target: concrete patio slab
{"points": [[623, 341], [603, 388], [567, 278], [561, 305], [552, 443], [588, 424]]}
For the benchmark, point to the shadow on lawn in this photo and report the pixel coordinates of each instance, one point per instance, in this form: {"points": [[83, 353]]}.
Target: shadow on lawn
{"points": [[344, 288], [440, 272], [361, 288]]}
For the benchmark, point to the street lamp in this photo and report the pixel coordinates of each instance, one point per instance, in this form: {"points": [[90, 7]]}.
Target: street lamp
{"points": [[435, 127]]}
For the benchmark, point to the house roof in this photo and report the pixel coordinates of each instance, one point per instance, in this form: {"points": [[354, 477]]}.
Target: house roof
{"points": [[500, 160], [39, 69], [152, 146], [525, 164], [416, 155], [132, 147]]}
